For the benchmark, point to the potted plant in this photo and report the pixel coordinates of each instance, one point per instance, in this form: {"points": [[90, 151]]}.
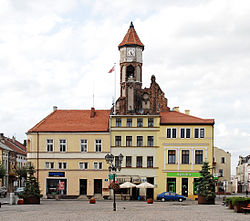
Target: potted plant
{"points": [[31, 193], [150, 201], [92, 200], [238, 202], [206, 186]]}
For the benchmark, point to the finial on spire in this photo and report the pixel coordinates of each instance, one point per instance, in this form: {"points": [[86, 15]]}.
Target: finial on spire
{"points": [[131, 25]]}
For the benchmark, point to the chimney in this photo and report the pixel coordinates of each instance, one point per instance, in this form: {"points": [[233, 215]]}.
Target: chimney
{"points": [[187, 112], [1, 136], [25, 143], [13, 138], [92, 112], [54, 108], [176, 109]]}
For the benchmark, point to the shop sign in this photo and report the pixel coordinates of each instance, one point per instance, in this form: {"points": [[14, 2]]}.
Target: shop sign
{"points": [[57, 174], [183, 174]]}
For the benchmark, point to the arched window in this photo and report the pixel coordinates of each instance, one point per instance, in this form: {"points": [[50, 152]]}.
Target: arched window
{"points": [[130, 71]]}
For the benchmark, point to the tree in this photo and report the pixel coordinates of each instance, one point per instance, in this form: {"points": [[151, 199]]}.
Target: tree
{"points": [[21, 173], [2, 171], [31, 189], [206, 184]]}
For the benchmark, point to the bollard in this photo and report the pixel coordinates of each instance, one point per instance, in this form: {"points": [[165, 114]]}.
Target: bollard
{"points": [[12, 199]]}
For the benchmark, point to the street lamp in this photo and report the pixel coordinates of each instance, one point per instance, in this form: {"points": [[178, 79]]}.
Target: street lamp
{"points": [[113, 168]]}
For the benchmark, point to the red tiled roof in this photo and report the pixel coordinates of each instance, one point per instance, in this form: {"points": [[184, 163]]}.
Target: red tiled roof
{"points": [[175, 117], [131, 38], [8, 142], [20, 145], [74, 121]]}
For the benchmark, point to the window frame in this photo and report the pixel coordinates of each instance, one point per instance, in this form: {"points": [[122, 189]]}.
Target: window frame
{"points": [[139, 122], [151, 124], [139, 141], [83, 144], [185, 158], [51, 145], [171, 129], [118, 143], [149, 141], [128, 123], [139, 162], [198, 157], [118, 122], [171, 157], [62, 145], [150, 163], [49, 165], [129, 141], [98, 146], [63, 165], [128, 162], [99, 165], [84, 167]]}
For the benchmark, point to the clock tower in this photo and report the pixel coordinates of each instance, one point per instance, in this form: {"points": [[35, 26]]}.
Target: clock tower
{"points": [[130, 71]]}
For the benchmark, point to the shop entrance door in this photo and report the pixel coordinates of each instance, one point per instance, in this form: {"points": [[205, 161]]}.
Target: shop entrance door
{"points": [[185, 186], [83, 186], [97, 186], [150, 191], [171, 184]]}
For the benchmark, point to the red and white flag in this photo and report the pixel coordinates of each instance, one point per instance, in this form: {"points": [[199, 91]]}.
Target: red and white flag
{"points": [[112, 69]]}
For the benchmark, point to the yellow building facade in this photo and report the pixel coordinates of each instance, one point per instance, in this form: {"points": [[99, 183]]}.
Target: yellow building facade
{"points": [[69, 154], [185, 143]]}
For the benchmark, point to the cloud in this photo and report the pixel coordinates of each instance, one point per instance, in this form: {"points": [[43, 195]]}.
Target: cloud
{"points": [[59, 52]]}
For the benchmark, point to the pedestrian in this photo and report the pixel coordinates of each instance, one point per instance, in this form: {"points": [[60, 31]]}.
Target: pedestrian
{"points": [[246, 193]]}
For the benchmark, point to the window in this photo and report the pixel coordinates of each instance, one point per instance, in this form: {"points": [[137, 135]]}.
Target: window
{"points": [[98, 145], [138, 161], [220, 173], [171, 133], [139, 122], [62, 165], [84, 145], [199, 133], [222, 159], [185, 157], [150, 141], [150, 122], [139, 141], [129, 122], [83, 165], [49, 165], [62, 144], [202, 133], [50, 145], [198, 156], [118, 122], [128, 161], [128, 141], [150, 162], [97, 165], [171, 157], [185, 133], [118, 141]]}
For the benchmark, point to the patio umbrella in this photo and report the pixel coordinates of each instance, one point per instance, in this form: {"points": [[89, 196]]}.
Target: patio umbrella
{"points": [[127, 185], [145, 185]]}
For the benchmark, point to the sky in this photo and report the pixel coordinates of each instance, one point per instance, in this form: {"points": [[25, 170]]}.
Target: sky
{"points": [[59, 52]]}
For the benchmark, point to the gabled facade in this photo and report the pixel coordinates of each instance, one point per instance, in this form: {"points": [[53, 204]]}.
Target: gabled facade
{"points": [[222, 170], [68, 148], [243, 175]]}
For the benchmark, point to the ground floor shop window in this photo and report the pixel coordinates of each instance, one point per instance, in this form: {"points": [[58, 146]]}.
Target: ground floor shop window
{"points": [[171, 184], [196, 186], [56, 186]]}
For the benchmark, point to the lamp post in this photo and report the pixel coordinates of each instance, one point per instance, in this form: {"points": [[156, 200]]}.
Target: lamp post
{"points": [[113, 168]]}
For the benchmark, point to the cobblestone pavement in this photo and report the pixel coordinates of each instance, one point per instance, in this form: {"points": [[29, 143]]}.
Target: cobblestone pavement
{"points": [[126, 210]]}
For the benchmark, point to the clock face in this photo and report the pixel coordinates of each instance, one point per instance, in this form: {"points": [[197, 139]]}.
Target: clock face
{"points": [[131, 52]]}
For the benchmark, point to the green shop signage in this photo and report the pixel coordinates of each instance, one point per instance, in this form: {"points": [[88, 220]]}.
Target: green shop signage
{"points": [[183, 174]]}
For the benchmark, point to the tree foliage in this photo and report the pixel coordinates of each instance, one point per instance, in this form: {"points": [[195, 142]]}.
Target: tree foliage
{"points": [[2, 171], [206, 184], [31, 189]]}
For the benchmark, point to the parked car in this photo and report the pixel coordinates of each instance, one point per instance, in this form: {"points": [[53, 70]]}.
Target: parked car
{"points": [[19, 190], [3, 191], [167, 196]]}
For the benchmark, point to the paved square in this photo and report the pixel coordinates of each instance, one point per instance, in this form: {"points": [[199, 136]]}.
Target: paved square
{"points": [[50, 210]]}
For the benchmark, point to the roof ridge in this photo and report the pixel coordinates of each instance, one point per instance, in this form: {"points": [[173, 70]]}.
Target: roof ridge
{"points": [[191, 116]]}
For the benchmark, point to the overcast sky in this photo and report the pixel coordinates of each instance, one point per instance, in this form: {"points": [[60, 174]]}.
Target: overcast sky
{"points": [[58, 53]]}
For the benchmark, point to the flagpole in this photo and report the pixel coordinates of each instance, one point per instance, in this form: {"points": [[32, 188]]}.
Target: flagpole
{"points": [[115, 91]]}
